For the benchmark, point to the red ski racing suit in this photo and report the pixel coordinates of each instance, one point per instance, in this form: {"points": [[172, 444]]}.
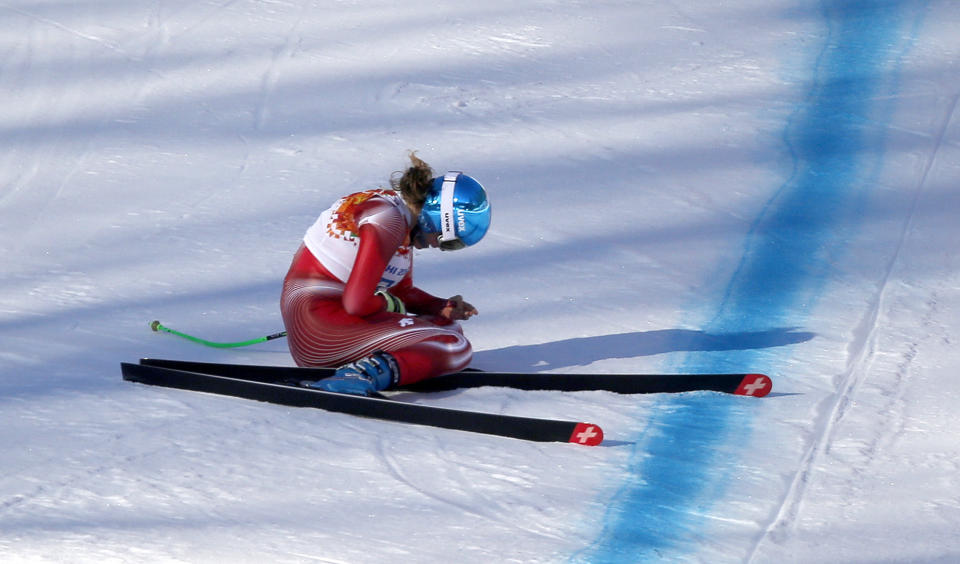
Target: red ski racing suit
{"points": [[329, 303]]}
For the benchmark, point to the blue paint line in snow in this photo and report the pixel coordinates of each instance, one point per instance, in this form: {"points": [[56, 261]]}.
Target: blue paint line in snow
{"points": [[661, 510]]}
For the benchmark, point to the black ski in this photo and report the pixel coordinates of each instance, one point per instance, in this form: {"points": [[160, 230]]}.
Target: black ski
{"points": [[757, 385], [271, 390]]}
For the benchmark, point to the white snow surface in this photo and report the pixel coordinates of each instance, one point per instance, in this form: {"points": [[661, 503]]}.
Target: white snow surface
{"points": [[162, 159]]}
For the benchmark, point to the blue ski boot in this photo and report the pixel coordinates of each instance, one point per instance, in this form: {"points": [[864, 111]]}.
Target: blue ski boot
{"points": [[364, 377]]}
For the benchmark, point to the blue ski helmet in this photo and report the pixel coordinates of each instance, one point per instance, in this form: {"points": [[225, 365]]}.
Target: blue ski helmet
{"points": [[457, 209]]}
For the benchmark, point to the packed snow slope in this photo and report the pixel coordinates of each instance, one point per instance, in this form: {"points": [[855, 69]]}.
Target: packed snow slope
{"points": [[750, 185]]}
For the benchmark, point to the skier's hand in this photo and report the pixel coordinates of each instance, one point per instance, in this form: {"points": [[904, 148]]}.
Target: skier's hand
{"points": [[457, 309]]}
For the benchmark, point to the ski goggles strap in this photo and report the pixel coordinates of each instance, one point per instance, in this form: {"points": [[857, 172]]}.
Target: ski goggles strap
{"points": [[448, 222]]}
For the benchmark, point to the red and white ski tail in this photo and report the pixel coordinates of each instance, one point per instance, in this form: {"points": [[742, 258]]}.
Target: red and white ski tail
{"points": [[587, 434], [756, 385]]}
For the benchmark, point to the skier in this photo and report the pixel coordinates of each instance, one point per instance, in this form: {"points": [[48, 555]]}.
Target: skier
{"points": [[349, 300]]}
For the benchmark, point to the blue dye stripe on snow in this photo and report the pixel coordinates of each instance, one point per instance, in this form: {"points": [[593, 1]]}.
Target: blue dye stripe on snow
{"points": [[660, 512]]}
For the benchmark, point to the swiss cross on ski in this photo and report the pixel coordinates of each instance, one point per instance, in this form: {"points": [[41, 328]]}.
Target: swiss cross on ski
{"points": [[756, 385], [587, 434]]}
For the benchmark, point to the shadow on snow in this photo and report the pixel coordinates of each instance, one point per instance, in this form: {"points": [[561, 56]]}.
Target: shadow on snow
{"points": [[585, 350]]}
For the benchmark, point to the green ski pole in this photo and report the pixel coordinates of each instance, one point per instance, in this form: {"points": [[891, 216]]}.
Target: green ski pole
{"points": [[157, 326]]}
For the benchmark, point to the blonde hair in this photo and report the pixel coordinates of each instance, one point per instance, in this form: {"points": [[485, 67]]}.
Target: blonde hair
{"points": [[415, 182]]}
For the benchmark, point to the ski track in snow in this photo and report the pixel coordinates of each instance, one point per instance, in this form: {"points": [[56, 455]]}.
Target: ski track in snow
{"points": [[861, 353], [461, 497], [271, 76]]}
